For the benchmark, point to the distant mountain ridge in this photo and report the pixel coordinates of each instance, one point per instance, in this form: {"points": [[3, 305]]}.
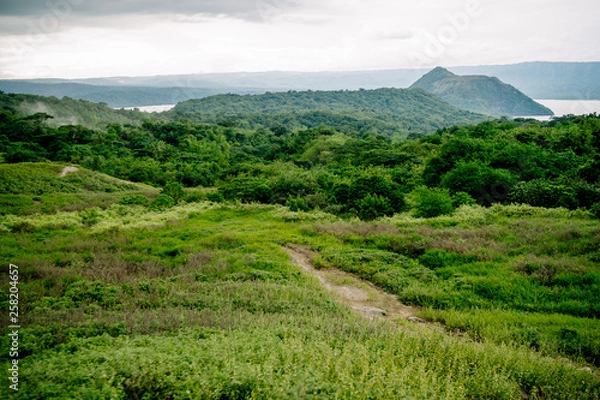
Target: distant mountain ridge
{"points": [[539, 80], [544, 80], [114, 95], [481, 94]]}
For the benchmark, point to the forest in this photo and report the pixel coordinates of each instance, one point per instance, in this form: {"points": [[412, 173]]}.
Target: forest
{"points": [[158, 268], [365, 174]]}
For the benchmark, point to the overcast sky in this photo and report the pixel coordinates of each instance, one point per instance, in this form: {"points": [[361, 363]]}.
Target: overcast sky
{"points": [[89, 38]]}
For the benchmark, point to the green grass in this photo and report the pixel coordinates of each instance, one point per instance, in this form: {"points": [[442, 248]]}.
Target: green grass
{"points": [[37, 188], [200, 301], [510, 274]]}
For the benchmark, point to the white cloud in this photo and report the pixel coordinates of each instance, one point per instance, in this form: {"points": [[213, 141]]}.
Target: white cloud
{"points": [[116, 38]]}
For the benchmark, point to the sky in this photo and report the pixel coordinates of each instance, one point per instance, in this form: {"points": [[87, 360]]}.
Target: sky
{"points": [[85, 38]]}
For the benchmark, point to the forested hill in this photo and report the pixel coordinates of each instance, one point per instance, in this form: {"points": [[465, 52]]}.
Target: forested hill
{"points": [[387, 111], [117, 96], [68, 111], [480, 94]]}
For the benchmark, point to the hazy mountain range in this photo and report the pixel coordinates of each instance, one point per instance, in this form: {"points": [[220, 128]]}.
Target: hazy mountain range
{"points": [[539, 80]]}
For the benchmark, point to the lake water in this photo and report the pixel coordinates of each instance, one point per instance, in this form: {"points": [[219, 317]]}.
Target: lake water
{"points": [[575, 107], [560, 107], [151, 109]]}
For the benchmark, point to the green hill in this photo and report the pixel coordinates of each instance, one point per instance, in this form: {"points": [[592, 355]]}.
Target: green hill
{"points": [[44, 187], [480, 94], [68, 111], [387, 111], [116, 95]]}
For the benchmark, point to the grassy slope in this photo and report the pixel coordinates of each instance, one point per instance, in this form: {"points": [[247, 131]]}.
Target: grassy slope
{"points": [[509, 274], [30, 188], [201, 302]]}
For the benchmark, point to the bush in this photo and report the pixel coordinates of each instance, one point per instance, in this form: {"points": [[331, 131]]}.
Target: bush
{"points": [[433, 202], [215, 197], [374, 206], [195, 196], [484, 183], [24, 152], [175, 191], [134, 199], [162, 202], [247, 190], [540, 193], [351, 196], [436, 258], [462, 198], [90, 217], [595, 210], [297, 204], [22, 227]]}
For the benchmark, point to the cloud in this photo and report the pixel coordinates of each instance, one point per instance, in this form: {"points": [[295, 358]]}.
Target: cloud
{"points": [[392, 34], [77, 38], [17, 17], [246, 9]]}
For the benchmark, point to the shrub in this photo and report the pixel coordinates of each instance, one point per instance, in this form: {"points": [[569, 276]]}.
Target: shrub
{"points": [[374, 206], [262, 193], [90, 217], [215, 197], [24, 152], [247, 190], [134, 199], [462, 198], [433, 202], [195, 196], [482, 182], [22, 227], [436, 258], [175, 191], [162, 202], [297, 204], [540, 193], [595, 210]]}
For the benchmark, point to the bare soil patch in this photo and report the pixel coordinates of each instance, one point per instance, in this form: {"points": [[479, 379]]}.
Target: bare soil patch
{"points": [[362, 296], [68, 170]]}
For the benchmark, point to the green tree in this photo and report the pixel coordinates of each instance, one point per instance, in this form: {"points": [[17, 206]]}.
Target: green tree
{"points": [[162, 202], [373, 206], [433, 202], [484, 183], [175, 191]]}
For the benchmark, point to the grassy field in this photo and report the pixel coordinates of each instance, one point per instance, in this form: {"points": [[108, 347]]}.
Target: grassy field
{"points": [[39, 188], [200, 301]]}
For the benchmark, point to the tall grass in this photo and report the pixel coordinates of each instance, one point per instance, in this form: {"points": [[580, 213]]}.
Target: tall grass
{"points": [[200, 301], [480, 268]]}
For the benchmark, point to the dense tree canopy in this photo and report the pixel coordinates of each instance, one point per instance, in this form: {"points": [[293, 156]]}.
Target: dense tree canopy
{"points": [[358, 173]]}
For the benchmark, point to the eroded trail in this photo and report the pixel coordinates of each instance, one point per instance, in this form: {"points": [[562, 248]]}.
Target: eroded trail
{"points": [[67, 170], [364, 297]]}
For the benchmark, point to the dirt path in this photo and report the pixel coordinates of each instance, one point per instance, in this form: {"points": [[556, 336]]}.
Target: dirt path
{"points": [[364, 297], [68, 170]]}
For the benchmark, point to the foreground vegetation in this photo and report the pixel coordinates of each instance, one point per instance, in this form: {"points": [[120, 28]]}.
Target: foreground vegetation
{"points": [[200, 301], [177, 286]]}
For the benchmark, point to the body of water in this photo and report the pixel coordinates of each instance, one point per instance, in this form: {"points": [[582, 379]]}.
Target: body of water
{"points": [[560, 107], [575, 107], [151, 109]]}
